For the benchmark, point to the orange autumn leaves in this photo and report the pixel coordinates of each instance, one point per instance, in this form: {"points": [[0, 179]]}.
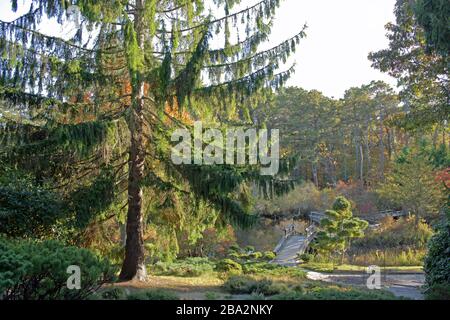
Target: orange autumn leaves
{"points": [[173, 111], [171, 108], [444, 177], [84, 113]]}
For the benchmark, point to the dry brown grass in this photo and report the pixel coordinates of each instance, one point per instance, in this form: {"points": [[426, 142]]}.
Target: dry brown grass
{"points": [[185, 288]]}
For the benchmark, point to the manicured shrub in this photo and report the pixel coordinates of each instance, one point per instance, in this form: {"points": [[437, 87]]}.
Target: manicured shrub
{"points": [[438, 292], [211, 296], [113, 294], [249, 285], [249, 249], [269, 255], [156, 294], [31, 270], [235, 248], [260, 288], [437, 262], [333, 293], [270, 269], [228, 265], [246, 285], [235, 255], [256, 255], [259, 267], [27, 210], [237, 285], [190, 267], [276, 288], [306, 257]]}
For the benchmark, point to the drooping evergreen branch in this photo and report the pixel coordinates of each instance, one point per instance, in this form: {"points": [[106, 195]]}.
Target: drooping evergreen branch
{"points": [[252, 81], [5, 26], [277, 51], [268, 5], [281, 51]]}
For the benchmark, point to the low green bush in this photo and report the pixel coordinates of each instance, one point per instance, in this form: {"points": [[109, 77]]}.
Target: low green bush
{"points": [[437, 262], [235, 255], [269, 255], [306, 257], [236, 285], [438, 292], [31, 270], [269, 269], [260, 288], [113, 294], [228, 265], [256, 255], [211, 296], [333, 293], [246, 285], [250, 255], [155, 294], [276, 288], [249, 249], [26, 209], [257, 267], [250, 285], [189, 267], [234, 248]]}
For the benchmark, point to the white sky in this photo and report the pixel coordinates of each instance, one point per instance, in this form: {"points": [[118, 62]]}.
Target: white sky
{"points": [[340, 35]]}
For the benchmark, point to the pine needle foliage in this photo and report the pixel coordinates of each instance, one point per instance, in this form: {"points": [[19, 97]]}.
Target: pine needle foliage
{"points": [[100, 96]]}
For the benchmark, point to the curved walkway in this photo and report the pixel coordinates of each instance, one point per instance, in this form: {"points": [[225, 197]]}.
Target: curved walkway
{"points": [[288, 254]]}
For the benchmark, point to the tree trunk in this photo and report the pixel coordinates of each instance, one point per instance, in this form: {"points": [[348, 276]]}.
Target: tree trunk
{"points": [[435, 137], [394, 142], [134, 265], [331, 169], [361, 168], [367, 143], [123, 234], [390, 143], [357, 158], [381, 166], [315, 174]]}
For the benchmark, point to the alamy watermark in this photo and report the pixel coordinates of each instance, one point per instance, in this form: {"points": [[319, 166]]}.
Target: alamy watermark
{"points": [[374, 280], [74, 280], [235, 147]]}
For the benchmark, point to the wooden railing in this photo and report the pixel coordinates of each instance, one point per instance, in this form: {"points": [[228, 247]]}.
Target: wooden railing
{"points": [[288, 231], [311, 230], [382, 214], [316, 217]]}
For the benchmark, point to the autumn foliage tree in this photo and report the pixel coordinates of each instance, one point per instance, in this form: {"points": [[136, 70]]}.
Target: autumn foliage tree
{"points": [[413, 184]]}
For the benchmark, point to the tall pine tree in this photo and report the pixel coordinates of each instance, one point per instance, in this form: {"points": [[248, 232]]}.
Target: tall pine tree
{"points": [[106, 98]]}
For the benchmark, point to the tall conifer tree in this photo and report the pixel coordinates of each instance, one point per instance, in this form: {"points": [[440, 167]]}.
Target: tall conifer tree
{"points": [[134, 70]]}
